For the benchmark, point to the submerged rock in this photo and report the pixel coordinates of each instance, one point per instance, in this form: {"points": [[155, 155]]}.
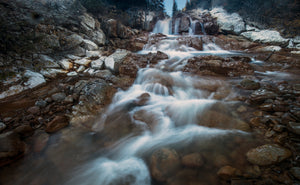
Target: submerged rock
{"points": [[164, 163], [250, 84], [268, 154]]}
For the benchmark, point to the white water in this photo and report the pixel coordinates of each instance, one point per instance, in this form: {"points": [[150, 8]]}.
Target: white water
{"points": [[170, 116], [163, 26]]}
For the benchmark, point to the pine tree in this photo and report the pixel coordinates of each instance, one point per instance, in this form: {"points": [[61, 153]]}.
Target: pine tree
{"points": [[174, 9]]}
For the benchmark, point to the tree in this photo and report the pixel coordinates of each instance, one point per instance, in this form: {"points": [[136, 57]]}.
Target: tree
{"points": [[174, 9]]}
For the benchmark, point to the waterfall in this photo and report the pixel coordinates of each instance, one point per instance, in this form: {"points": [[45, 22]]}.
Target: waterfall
{"points": [[202, 28], [176, 26], [163, 26]]}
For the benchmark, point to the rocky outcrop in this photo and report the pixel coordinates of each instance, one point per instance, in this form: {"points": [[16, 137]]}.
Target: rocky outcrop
{"points": [[266, 37]]}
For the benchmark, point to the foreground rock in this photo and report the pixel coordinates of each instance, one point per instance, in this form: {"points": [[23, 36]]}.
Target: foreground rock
{"points": [[268, 154]]}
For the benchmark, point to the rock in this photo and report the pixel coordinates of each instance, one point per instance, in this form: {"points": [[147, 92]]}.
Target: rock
{"points": [[183, 22], [268, 49], [228, 23], [104, 74], [92, 54], [164, 163], [58, 97], [40, 141], [296, 172], [266, 37], [227, 172], [47, 61], [113, 61], [252, 172], [192, 160], [52, 73], [294, 127], [261, 95], [143, 99], [84, 62], [34, 79], [87, 22], [89, 45], [73, 73], [2, 126], [98, 37], [11, 147], [13, 90], [98, 64], [268, 154], [24, 130], [34, 110], [250, 84], [72, 41], [56, 124], [79, 70], [65, 64], [41, 103], [69, 99], [79, 51]]}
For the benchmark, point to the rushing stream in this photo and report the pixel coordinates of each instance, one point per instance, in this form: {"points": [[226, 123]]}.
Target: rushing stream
{"points": [[170, 127]]}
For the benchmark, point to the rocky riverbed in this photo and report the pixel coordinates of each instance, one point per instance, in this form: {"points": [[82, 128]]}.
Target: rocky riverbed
{"points": [[154, 108]]}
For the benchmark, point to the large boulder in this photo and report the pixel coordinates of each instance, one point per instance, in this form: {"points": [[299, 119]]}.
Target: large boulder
{"points": [[266, 37], [268, 154], [113, 61], [229, 23]]}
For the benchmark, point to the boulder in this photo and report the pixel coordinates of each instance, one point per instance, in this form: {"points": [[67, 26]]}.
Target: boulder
{"points": [[56, 124], [87, 22], [228, 23], [58, 97], [268, 154], [266, 37], [84, 62], [52, 73], [98, 64], [72, 41], [192, 160], [65, 64], [34, 79], [113, 61], [164, 163], [89, 45]]}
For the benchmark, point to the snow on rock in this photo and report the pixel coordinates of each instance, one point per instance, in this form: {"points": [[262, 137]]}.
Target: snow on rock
{"points": [[229, 23], [270, 48], [34, 79], [266, 37]]}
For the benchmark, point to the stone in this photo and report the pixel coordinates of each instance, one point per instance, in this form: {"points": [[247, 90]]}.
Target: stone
{"points": [[192, 160], [89, 45], [98, 37], [84, 62], [65, 64], [58, 97], [90, 54], [252, 172], [41, 103], [34, 110], [113, 61], [79, 70], [98, 64], [34, 79], [11, 147], [104, 74], [268, 154], [47, 61], [261, 95], [73, 41], [294, 127], [268, 49], [69, 99], [87, 22], [2, 126], [57, 124], [52, 73], [228, 23], [227, 172], [73, 73], [250, 84], [164, 163], [296, 172], [24, 130], [266, 37]]}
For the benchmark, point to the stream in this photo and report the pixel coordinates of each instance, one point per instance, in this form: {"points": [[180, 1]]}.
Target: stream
{"points": [[170, 127]]}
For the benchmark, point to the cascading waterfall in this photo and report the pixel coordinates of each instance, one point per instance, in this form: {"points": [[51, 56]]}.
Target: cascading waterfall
{"points": [[176, 26], [163, 26]]}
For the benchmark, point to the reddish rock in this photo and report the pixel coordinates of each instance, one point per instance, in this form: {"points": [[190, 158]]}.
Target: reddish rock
{"points": [[192, 160], [34, 110], [24, 130], [56, 124], [227, 172]]}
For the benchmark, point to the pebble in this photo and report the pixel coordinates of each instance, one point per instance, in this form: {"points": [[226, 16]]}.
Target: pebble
{"points": [[34, 110], [41, 103]]}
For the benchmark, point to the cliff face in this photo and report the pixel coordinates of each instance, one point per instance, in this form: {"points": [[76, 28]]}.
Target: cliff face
{"points": [[281, 15]]}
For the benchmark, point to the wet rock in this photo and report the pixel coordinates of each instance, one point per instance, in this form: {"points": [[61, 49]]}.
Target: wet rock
{"points": [[34, 110], [268, 154], [255, 121], [89, 45], [261, 95], [2, 126], [98, 64], [250, 84], [40, 141], [193, 160], [143, 99], [184, 22], [266, 36], [65, 64], [11, 147], [194, 42], [58, 97], [227, 172], [294, 127], [229, 23], [148, 117], [296, 172], [24, 130], [164, 163], [56, 124]]}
